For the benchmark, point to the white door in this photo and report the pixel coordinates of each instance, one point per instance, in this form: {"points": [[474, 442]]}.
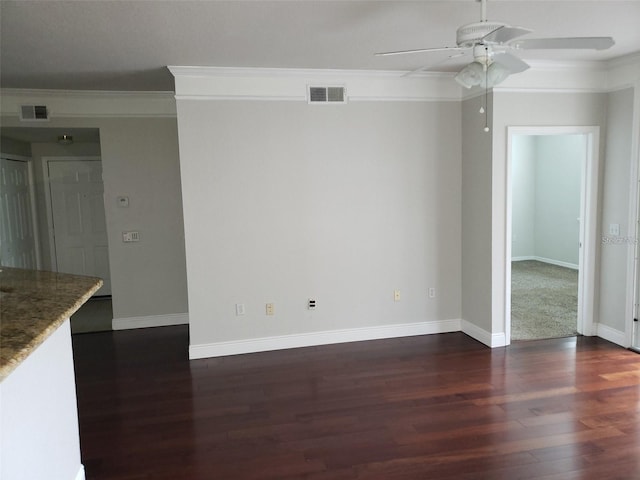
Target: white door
{"points": [[77, 210], [17, 239]]}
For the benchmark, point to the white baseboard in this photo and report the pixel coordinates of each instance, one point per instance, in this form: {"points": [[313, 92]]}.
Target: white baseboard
{"points": [[492, 340], [522, 259], [321, 338], [80, 474], [551, 261], [611, 334], [150, 321]]}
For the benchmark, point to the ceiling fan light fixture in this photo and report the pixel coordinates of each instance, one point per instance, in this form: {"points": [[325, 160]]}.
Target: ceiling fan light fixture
{"points": [[470, 75], [496, 73]]}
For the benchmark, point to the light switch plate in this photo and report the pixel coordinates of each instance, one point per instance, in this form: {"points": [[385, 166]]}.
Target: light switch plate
{"points": [[614, 229], [129, 237]]}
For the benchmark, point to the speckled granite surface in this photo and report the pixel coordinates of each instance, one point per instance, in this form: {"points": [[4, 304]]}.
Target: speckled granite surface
{"points": [[33, 304]]}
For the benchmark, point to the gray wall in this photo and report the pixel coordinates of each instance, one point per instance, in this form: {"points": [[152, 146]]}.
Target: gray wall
{"points": [[476, 216], [285, 201], [616, 256], [139, 159], [14, 147], [529, 109]]}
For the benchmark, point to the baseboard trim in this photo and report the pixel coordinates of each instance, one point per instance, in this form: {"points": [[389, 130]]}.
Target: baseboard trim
{"points": [[80, 475], [264, 344], [551, 261], [128, 323], [611, 334], [492, 340]]}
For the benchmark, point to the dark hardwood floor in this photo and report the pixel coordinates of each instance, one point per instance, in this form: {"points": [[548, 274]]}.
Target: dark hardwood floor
{"points": [[429, 407]]}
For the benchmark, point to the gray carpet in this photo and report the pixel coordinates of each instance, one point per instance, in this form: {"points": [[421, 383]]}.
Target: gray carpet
{"points": [[544, 301], [93, 316]]}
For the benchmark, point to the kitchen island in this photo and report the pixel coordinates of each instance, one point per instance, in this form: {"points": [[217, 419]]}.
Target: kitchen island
{"points": [[38, 408]]}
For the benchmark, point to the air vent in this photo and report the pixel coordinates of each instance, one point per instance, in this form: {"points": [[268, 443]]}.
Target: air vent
{"points": [[34, 113], [326, 94]]}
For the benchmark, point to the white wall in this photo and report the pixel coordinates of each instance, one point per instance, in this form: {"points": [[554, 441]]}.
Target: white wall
{"points": [[39, 415], [546, 189], [285, 201], [140, 159], [558, 190], [523, 196]]}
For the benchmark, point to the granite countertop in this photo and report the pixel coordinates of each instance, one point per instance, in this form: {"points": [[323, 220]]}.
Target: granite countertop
{"points": [[33, 304]]}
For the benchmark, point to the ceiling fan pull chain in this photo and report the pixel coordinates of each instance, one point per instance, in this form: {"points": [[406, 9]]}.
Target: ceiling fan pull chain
{"points": [[486, 90]]}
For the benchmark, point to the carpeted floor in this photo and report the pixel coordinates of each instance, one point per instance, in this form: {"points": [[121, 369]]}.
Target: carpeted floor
{"points": [[544, 301], [94, 316]]}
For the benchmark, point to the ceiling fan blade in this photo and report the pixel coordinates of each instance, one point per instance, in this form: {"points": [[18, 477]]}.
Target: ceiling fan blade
{"points": [[505, 34], [591, 43], [511, 62], [432, 65], [419, 50]]}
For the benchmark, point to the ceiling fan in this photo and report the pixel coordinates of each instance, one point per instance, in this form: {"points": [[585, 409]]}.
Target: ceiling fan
{"points": [[492, 44]]}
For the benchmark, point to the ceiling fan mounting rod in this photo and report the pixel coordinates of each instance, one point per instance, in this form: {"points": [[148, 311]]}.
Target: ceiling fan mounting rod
{"points": [[483, 10]]}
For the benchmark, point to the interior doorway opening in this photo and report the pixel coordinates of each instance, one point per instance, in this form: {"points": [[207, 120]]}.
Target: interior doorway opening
{"points": [[551, 205], [68, 213]]}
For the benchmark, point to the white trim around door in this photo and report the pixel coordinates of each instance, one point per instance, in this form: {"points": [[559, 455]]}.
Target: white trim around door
{"points": [[588, 225]]}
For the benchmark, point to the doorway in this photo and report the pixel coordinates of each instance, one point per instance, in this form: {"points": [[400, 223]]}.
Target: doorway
{"points": [[78, 224], [18, 247], [552, 192]]}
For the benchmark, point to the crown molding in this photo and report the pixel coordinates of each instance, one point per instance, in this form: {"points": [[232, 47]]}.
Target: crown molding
{"points": [[630, 59], [295, 72], [624, 72], [567, 65], [222, 83], [289, 84], [90, 103], [570, 77]]}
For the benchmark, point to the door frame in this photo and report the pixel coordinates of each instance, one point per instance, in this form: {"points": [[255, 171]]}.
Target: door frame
{"points": [[32, 200], [633, 252], [47, 198], [588, 225]]}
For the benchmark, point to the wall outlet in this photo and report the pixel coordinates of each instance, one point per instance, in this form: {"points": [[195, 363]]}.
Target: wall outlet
{"points": [[270, 309], [312, 304], [239, 308], [396, 295], [432, 292]]}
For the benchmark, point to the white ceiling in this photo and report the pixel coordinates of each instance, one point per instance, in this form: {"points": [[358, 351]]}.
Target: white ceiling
{"points": [[126, 45]]}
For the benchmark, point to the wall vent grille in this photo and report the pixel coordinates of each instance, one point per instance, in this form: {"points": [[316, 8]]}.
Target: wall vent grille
{"points": [[34, 113], [327, 94]]}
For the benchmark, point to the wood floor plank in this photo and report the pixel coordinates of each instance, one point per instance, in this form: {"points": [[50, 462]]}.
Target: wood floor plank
{"points": [[428, 407]]}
